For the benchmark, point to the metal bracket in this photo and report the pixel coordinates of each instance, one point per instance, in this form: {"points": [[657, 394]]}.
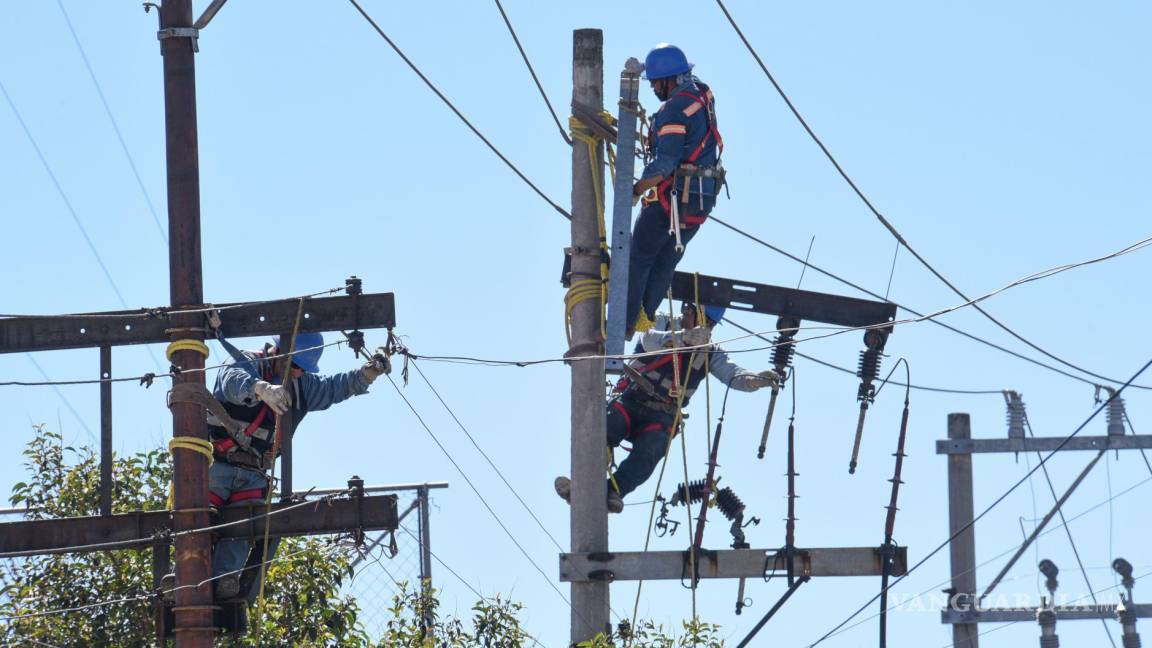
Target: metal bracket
{"points": [[180, 32]]}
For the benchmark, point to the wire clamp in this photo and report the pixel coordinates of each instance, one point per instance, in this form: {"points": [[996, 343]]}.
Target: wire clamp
{"points": [[180, 32]]}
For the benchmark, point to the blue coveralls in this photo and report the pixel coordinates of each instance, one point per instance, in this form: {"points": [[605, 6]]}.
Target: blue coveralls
{"points": [[235, 485], [680, 126]]}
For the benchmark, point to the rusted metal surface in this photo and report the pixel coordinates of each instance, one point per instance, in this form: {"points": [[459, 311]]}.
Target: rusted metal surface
{"points": [[139, 529], [728, 563]]}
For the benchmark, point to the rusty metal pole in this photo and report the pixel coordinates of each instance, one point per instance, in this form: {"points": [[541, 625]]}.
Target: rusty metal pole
{"points": [[193, 626], [105, 431], [589, 515]]}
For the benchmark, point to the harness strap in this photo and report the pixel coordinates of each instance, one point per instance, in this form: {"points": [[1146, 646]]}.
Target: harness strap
{"points": [[198, 394]]}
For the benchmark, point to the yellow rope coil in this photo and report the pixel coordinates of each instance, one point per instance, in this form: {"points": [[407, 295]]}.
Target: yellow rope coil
{"points": [[589, 288], [186, 345], [203, 446]]}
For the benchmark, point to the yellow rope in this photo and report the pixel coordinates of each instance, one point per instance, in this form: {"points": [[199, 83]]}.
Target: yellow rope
{"points": [[186, 345], [589, 288]]}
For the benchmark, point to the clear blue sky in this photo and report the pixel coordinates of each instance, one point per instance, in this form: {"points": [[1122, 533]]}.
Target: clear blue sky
{"points": [[1000, 139]]}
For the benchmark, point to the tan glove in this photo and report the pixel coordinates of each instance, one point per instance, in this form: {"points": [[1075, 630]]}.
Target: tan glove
{"points": [[379, 364], [274, 396], [696, 336], [761, 380]]}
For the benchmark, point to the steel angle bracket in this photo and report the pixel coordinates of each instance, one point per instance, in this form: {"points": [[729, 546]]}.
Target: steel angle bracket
{"points": [[805, 305]]}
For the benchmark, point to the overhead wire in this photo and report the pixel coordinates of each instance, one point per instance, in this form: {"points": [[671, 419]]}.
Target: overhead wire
{"points": [[124, 544], [488, 459], [1068, 531], [476, 490], [989, 508], [447, 102], [166, 311], [998, 556], [1007, 624], [871, 293], [852, 372], [884, 221], [115, 126], [532, 71]]}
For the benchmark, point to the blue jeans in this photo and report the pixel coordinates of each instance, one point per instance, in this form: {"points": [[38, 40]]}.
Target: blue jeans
{"points": [[224, 481], [649, 432], [652, 261]]}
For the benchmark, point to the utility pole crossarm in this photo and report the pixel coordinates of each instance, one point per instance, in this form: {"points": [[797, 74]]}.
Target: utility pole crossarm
{"points": [[776, 300], [116, 328], [371, 513], [1025, 615], [727, 563], [1048, 444]]}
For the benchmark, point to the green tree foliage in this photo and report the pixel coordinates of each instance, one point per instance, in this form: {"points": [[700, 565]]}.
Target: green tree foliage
{"points": [[303, 604]]}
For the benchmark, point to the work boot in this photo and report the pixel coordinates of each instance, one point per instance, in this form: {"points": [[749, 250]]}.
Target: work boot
{"points": [[227, 587], [615, 502], [563, 487]]}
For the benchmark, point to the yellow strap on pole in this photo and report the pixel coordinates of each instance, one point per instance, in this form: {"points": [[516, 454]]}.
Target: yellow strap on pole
{"points": [[203, 446], [186, 345]]}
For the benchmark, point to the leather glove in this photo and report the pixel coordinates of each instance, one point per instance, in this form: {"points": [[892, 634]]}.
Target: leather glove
{"points": [[761, 380], [696, 336], [379, 364], [274, 396]]}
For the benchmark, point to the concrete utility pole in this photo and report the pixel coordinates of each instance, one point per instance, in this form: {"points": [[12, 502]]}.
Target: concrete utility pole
{"points": [[589, 515], [963, 548], [194, 626]]}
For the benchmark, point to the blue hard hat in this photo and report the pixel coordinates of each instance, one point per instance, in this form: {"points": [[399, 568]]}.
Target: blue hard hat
{"points": [[665, 61], [309, 359], [714, 313]]}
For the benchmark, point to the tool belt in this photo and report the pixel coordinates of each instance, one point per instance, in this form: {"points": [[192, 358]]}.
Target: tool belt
{"points": [[234, 453], [685, 172]]}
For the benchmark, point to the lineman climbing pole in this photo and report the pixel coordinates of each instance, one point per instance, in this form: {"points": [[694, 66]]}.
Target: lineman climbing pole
{"points": [[589, 516]]}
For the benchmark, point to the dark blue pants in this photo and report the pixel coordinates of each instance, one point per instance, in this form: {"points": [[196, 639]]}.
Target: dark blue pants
{"points": [[652, 261], [647, 430]]}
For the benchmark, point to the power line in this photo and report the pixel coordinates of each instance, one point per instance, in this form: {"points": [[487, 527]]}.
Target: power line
{"points": [[884, 221], [61, 396], [459, 114], [991, 506], [115, 126], [866, 291], [475, 490], [532, 71], [853, 372], [487, 458], [1000, 555]]}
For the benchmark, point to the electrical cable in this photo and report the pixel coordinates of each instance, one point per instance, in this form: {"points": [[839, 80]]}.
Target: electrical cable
{"points": [[464, 582], [991, 506], [124, 544], [998, 556], [459, 114], [491, 464], [852, 372], [115, 126], [61, 396], [1007, 624], [532, 71], [884, 221], [866, 291], [475, 490], [166, 311], [1068, 532]]}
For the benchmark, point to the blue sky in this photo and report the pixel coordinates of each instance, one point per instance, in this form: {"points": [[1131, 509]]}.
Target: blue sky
{"points": [[1000, 139]]}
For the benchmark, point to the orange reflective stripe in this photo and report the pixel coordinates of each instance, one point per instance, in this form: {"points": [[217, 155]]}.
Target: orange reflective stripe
{"points": [[673, 129], [693, 108]]}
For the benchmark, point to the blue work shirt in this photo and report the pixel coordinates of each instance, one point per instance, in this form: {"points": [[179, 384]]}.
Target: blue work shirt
{"points": [[678, 128], [236, 384]]}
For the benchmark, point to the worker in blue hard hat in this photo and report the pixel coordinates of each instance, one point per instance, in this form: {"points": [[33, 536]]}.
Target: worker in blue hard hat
{"points": [[242, 432], [644, 406], [679, 186]]}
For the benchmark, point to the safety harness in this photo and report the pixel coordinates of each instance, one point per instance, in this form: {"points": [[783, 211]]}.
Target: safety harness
{"points": [[677, 187], [649, 384]]}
